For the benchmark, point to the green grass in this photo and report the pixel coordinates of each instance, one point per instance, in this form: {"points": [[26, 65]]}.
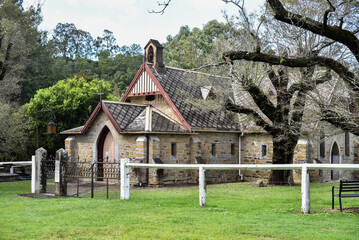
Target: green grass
{"points": [[233, 211]]}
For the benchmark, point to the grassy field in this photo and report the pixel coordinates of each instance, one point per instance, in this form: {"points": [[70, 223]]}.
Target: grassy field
{"points": [[233, 211]]}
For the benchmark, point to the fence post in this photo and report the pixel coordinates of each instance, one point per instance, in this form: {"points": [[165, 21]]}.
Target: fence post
{"points": [[60, 171], [305, 190], [125, 179], [202, 186], [33, 173], [40, 170]]}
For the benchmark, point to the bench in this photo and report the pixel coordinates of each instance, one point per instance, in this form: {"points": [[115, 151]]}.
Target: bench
{"points": [[345, 187]]}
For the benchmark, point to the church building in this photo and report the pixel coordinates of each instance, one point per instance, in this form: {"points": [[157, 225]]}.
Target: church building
{"points": [[156, 123]]}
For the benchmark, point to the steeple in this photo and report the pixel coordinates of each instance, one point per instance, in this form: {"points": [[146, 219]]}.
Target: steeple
{"points": [[154, 55]]}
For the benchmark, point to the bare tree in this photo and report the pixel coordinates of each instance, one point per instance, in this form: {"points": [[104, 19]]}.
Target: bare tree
{"points": [[296, 53]]}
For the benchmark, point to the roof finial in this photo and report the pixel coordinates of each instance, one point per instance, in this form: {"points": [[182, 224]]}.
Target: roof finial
{"points": [[100, 93]]}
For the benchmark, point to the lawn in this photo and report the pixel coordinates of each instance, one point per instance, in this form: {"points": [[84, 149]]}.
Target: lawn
{"points": [[233, 211]]}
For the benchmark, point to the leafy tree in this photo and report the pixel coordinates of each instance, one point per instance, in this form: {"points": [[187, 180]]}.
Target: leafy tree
{"points": [[14, 138], [42, 71], [18, 36], [71, 101], [71, 42], [190, 49]]}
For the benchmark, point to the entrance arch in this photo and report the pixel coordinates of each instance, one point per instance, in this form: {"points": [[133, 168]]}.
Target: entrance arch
{"points": [[335, 159], [105, 150]]}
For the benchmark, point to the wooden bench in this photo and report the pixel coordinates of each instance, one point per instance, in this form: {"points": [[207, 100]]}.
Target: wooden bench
{"points": [[344, 187]]}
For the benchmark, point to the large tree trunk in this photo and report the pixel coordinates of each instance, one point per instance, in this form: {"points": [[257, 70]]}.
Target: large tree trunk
{"points": [[283, 152]]}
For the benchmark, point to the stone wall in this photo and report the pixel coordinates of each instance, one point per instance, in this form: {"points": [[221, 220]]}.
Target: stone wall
{"points": [[306, 151], [134, 147]]}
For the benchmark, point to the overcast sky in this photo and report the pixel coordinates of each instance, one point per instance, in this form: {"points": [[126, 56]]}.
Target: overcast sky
{"points": [[129, 20]]}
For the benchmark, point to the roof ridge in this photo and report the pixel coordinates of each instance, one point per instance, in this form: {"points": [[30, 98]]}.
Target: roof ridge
{"points": [[126, 103], [192, 71]]}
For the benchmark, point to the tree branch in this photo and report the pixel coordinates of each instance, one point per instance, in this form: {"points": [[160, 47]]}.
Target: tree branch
{"points": [[262, 101], [333, 32], [339, 121], [326, 13], [348, 76], [164, 5], [258, 120], [209, 65]]}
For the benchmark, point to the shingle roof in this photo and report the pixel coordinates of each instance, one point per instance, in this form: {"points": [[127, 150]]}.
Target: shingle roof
{"points": [[175, 82], [159, 124], [123, 113], [76, 130]]}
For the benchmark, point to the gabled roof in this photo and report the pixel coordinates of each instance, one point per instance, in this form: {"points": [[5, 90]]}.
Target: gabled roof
{"points": [[155, 43], [175, 82], [172, 83], [120, 114], [129, 117]]}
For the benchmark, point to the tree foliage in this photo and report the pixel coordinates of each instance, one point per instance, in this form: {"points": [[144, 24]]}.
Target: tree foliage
{"points": [[14, 138], [190, 48], [72, 52], [71, 102], [18, 36]]}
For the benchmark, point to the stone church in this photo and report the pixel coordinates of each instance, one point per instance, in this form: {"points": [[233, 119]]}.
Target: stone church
{"points": [[155, 123]]}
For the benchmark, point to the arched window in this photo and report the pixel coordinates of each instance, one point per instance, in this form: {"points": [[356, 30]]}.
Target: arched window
{"points": [[150, 55]]}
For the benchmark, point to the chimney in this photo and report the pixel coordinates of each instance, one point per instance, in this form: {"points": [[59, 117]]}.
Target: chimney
{"points": [[154, 55], [148, 119]]}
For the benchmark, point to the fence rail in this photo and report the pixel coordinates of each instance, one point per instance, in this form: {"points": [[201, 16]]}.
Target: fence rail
{"points": [[25, 163], [305, 191]]}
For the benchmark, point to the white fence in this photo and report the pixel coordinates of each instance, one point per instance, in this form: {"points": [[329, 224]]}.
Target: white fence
{"points": [[125, 176]]}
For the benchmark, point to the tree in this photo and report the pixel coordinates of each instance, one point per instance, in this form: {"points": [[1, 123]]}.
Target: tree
{"points": [[71, 42], [14, 138], [71, 101], [41, 72], [18, 36], [339, 25], [190, 48], [282, 115]]}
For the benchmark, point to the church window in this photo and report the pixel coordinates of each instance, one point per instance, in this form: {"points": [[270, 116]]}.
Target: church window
{"points": [[322, 145], [264, 150], [347, 148], [233, 149], [214, 151], [150, 55], [174, 149]]}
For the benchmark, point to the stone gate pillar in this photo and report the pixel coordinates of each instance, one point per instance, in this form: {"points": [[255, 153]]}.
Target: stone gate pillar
{"points": [[60, 172], [40, 170]]}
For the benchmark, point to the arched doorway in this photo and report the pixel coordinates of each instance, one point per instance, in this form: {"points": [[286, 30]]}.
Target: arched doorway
{"points": [[335, 160], [105, 151]]}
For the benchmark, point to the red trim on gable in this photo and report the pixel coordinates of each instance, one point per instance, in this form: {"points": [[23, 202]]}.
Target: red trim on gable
{"points": [[100, 105], [145, 68], [112, 120], [133, 83], [91, 118], [144, 94]]}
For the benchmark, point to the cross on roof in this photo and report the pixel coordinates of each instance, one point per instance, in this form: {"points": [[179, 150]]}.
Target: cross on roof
{"points": [[100, 93]]}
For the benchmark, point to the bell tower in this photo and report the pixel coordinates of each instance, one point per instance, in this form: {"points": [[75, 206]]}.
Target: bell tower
{"points": [[154, 55]]}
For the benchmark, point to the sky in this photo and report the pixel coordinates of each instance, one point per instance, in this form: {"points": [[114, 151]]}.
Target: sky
{"points": [[130, 20]]}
